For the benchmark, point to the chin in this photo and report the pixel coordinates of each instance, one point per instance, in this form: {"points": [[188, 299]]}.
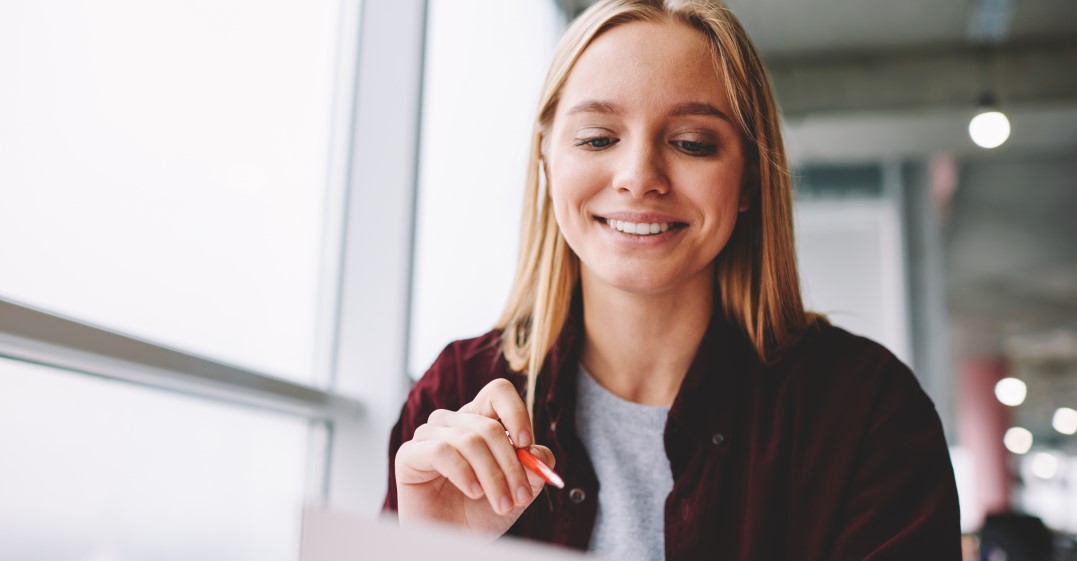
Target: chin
{"points": [[636, 282], [643, 278]]}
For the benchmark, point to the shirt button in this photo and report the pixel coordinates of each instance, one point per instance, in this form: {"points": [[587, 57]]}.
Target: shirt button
{"points": [[577, 495], [718, 439]]}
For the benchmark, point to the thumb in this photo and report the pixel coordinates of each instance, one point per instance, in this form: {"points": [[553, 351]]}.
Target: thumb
{"points": [[536, 481], [544, 454]]}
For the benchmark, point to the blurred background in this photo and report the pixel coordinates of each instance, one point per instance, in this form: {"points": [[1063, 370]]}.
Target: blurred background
{"points": [[232, 232]]}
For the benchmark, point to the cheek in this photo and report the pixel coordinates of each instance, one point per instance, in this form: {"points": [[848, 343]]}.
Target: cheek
{"points": [[719, 201], [715, 186], [561, 197], [572, 182]]}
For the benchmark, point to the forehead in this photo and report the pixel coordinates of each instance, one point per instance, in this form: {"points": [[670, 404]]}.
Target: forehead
{"points": [[645, 65]]}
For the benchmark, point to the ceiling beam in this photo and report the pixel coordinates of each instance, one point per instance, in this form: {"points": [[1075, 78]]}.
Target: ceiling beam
{"points": [[1029, 75]]}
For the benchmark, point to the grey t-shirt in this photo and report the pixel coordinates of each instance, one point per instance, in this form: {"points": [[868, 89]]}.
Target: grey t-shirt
{"points": [[624, 441]]}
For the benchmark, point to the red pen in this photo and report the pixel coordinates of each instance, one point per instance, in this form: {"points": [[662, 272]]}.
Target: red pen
{"points": [[537, 466]]}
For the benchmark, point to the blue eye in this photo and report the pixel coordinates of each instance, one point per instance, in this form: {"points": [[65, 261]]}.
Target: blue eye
{"points": [[596, 142], [696, 148]]}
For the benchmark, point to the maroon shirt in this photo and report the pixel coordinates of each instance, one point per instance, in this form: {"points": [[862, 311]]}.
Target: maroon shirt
{"points": [[834, 452]]}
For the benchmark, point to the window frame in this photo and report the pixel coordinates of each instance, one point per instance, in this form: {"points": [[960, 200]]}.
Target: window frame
{"points": [[362, 339]]}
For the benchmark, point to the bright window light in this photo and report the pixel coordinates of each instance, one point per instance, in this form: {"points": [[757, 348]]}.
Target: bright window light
{"points": [[163, 170], [1011, 391], [989, 129], [1065, 420], [478, 107], [1018, 440], [106, 471]]}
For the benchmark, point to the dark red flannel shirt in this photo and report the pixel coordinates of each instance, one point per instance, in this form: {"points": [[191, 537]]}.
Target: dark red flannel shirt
{"points": [[834, 452]]}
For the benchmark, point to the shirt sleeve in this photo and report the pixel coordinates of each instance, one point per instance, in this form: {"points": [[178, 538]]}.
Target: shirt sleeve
{"points": [[902, 499], [437, 389]]}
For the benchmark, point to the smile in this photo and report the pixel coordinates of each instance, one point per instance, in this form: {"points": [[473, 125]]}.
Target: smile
{"points": [[638, 229]]}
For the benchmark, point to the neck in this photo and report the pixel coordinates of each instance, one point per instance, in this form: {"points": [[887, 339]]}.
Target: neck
{"points": [[640, 346]]}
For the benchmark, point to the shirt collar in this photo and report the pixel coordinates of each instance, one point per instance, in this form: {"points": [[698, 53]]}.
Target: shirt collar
{"points": [[709, 396], [707, 400]]}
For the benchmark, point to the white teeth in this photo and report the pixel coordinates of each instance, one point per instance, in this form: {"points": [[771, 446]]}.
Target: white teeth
{"points": [[640, 229]]}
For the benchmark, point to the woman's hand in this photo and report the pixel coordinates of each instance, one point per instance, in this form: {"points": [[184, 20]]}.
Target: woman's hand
{"points": [[461, 469]]}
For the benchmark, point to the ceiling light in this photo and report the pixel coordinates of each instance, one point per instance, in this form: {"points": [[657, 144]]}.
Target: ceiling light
{"points": [[990, 127], [1011, 391], [1065, 420], [1044, 465], [1018, 440]]}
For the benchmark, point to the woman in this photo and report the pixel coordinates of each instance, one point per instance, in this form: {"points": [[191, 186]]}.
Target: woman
{"points": [[655, 348]]}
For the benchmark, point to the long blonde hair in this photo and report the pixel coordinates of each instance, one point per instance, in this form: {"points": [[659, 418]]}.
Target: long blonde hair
{"points": [[756, 271]]}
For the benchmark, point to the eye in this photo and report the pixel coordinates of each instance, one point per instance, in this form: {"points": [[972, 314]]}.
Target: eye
{"points": [[696, 148], [596, 142]]}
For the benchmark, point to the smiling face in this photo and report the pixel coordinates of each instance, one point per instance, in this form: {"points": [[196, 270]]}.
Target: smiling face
{"points": [[644, 163]]}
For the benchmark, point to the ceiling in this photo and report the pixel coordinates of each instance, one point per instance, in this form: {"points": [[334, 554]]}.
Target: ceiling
{"points": [[878, 80], [783, 27], [801, 27]]}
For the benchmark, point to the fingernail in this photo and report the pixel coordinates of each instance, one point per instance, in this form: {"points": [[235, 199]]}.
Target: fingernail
{"points": [[506, 504], [524, 440], [523, 495], [476, 490]]}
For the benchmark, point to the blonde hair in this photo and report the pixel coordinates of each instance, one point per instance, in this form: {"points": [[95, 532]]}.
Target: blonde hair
{"points": [[756, 271]]}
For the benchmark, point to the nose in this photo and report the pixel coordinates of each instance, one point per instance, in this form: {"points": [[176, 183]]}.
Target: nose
{"points": [[641, 171]]}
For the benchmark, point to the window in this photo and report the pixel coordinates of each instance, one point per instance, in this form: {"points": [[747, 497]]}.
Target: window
{"points": [[188, 323], [163, 170], [485, 62], [852, 267], [850, 237], [98, 469]]}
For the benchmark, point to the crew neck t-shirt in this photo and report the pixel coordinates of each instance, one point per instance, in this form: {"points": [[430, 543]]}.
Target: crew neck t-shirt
{"points": [[624, 440]]}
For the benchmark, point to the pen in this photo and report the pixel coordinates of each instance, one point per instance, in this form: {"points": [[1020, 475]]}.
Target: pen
{"points": [[537, 466]]}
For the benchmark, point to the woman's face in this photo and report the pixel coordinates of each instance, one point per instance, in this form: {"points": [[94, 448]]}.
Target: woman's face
{"points": [[644, 162]]}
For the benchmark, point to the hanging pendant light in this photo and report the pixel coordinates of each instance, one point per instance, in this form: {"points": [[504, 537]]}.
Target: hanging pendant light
{"points": [[990, 127]]}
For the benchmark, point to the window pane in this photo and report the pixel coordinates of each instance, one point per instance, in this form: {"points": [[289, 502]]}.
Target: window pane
{"points": [[162, 169], [485, 61], [96, 470], [852, 269]]}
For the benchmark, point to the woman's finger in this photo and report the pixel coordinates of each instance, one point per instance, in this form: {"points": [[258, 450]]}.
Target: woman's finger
{"points": [[457, 470], [503, 453], [482, 443], [545, 454], [422, 461], [500, 400], [496, 410], [475, 449]]}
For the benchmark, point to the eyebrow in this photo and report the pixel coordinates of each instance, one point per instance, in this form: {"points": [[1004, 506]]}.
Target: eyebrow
{"points": [[701, 109], [596, 106], [679, 110]]}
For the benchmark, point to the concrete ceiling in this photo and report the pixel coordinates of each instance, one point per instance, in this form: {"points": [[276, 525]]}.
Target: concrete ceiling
{"points": [[784, 27], [802, 27]]}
